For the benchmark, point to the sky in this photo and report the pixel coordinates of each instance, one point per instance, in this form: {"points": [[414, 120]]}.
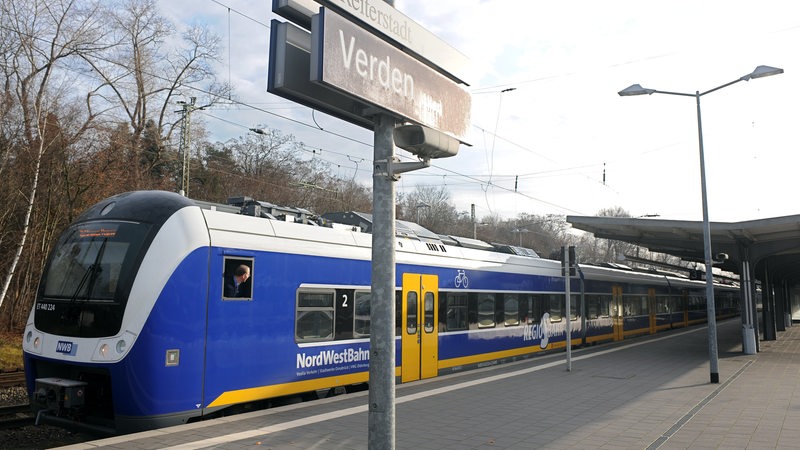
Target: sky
{"points": [[550, 134]]}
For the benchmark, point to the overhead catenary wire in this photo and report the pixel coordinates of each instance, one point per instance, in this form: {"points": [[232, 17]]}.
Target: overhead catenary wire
{"points": [[231, 101]]}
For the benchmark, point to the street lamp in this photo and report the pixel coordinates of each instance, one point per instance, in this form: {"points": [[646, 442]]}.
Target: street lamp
{"points": [[636, 89], [520, 231]]}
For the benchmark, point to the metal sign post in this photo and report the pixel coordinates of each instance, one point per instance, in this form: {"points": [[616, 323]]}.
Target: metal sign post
{"points": [[355, 75], [382, 313]]}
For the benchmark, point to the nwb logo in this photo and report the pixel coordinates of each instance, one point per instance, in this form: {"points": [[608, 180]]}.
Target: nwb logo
{"points": [[66, 347]]}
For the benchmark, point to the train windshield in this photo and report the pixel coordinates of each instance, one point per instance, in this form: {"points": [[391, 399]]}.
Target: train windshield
{"points": [[89, 274], [91, 259]]}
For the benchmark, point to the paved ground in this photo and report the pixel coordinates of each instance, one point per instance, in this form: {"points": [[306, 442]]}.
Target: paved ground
{"points": [[649, 392]]}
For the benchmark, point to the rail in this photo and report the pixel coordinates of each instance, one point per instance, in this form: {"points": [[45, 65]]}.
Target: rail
{"points": [[12, 379]]}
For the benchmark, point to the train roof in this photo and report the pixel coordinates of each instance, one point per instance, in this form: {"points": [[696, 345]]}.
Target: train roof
{"points": [[361, 222]]}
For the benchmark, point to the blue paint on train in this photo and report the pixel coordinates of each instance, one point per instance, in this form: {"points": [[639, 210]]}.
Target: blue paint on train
{"points": [[145, 384]]}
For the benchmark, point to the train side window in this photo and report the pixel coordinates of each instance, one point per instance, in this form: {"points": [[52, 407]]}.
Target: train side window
{"points": [[486, 309], [630, 306], [605, 305], [634, 305], [675, 304], [456, 312], [592, 306], [662, 304], [442, 311], [428, 308], [573, 307], [512, 310], [411, 313], [315, 316], [555, 304], [237, 279], [524, 309], [398, 316], [537, 308], [361, 320]]}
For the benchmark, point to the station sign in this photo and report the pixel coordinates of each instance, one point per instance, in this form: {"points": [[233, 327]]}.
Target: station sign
{"points": [[288, 77], [355, 62], [383, 19]]}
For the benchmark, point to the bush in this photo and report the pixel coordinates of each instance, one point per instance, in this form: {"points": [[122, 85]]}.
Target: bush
{"points": [[10, 352]]}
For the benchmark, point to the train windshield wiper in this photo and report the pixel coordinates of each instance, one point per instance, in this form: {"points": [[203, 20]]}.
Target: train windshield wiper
{"points": [[91, 274]]}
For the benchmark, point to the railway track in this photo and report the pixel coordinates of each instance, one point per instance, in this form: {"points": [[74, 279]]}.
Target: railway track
{"points": [[12, 379], [16, 416]]}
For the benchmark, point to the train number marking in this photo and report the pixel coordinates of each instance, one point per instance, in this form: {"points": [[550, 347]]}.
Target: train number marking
{"points": [[344, 300]]}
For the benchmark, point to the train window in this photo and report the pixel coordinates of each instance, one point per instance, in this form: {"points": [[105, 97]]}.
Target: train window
{"points": [[411, 313], [573, 307], [675, 304], [630, 306], [398, 316], [524, 308], [428, 307], [555, 307], [537, 308], [697, 303], [361, 316], [315, 316], [592, 306], [634, 305], [605, 305], [512, 310], [237, 279], [662, 304], [486, 312], [92, 260], [456, 307]]}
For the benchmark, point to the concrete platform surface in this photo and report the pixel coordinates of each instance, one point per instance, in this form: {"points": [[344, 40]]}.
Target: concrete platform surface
{"points": [[645, 393]]}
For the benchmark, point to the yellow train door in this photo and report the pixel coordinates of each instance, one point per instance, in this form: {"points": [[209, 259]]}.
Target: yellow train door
{"points": [[420, 327], [617, 311]]}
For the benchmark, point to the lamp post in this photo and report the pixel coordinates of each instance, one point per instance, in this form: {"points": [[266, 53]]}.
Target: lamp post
{"points": [[520, 231], [635, 89]]}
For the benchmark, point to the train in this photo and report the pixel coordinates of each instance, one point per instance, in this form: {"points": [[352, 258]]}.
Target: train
{"points": [[144, 319]]}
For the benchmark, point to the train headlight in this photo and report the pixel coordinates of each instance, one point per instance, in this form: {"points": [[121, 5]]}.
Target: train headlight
{"points": [[115, 348], [32, 342]]}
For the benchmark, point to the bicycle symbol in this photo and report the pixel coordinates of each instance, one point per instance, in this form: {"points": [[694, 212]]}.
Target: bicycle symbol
{"points": [[461, 279]]}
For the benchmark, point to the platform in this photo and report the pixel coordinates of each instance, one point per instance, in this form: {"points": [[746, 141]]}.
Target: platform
{"points": [[646, 393]]}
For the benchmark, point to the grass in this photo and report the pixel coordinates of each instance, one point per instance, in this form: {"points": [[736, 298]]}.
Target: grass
{"points": [[10, 351]]}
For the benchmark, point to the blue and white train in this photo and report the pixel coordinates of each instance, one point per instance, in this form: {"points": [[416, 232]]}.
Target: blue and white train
{"points": [[132, 328]]}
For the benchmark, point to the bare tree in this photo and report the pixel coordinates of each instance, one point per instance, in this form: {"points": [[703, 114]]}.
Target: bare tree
{"points": [[143, 78], [37, 37], [431, 207]]}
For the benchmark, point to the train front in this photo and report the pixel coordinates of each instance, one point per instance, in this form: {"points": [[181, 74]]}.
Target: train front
{"points": [[92, 309]]}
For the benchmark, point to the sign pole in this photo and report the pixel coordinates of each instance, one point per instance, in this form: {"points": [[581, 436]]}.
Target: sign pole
{"points": [[567, 264], [382, 312]]}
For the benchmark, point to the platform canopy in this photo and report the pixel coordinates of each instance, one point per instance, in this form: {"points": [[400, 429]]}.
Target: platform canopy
{"points": [[772, 243]]}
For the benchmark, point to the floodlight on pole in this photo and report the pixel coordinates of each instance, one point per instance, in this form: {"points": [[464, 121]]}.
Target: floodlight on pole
{"points": [[637, 89]]}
